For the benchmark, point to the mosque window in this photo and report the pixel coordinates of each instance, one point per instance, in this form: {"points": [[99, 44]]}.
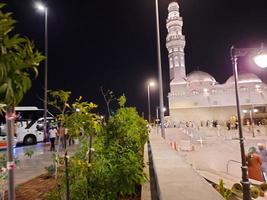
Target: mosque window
{"points": [[171, 64], [195, 92], [182, 61], [176, 64]]}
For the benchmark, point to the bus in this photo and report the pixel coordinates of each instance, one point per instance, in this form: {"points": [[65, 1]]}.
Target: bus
{"points": [[29, 125]]}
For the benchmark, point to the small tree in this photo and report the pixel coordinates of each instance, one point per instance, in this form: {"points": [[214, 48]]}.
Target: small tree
{"points": [[18, 61], [59, 99], [108, 97]]}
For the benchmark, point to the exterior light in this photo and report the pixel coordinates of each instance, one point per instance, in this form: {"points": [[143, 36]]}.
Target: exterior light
{"points": [[255, 110], [151, 83], [261, 60], [39, 6], [77, 110], [245, 111], [205, 90], [164, 109]]}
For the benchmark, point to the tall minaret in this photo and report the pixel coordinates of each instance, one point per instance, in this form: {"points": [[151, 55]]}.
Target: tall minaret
{"points": [[175, 43]]}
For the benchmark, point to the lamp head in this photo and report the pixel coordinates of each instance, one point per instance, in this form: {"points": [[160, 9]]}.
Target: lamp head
{"points": [[261, 58], [40, 6], [152, 83]]}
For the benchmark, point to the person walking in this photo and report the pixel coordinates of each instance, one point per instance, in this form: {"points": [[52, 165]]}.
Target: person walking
{"points": [[53, 135], [263, 157], [254, 165]]}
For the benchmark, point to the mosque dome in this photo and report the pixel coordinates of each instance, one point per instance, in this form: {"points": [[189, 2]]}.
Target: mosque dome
{"points": [[200, 77], [244, 78]]}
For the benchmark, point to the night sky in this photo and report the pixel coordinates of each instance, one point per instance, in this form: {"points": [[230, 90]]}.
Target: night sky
{"points": [[113, 43]]}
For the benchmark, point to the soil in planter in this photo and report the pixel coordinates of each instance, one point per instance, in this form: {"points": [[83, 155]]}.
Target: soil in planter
{"points": [[35, 189]]}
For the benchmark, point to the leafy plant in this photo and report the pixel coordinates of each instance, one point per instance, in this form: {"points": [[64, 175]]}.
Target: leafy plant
{"points": [[29, 153], [59, 100], [18, 60], [50, 170], [226, 193], [115, 164]]}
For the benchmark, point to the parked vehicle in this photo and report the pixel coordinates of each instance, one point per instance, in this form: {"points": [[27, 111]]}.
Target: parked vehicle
{"points": [[29, 125]]}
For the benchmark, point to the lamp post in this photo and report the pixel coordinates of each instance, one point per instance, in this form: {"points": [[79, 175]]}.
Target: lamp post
{"points": [[150, 84], [43, 8], [159, 71], [157, 115], [260, 60], [251, 111]]}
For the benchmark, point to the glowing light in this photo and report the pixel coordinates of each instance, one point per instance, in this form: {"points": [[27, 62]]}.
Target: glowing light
{"points": [[152, 83], [261, 60], [39, 6], [205, 90]]}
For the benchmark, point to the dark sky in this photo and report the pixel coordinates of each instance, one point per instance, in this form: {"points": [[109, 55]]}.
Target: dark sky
{"points": [[113, 43]]}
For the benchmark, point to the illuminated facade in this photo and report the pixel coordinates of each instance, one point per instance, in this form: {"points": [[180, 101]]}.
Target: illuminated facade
{"points": [[198, 96]]}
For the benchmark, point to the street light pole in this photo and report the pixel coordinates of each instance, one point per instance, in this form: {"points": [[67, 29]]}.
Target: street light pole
{"points": [[43, 8], [148, 101], [260, 60], [46, 74], [245, 181], [159, 72]]}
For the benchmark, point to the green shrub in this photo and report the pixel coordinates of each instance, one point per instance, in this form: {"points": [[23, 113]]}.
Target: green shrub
{"points": [[116, 166]]}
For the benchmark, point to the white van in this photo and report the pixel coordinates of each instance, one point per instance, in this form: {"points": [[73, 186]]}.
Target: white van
{"points": [[29, 125]]}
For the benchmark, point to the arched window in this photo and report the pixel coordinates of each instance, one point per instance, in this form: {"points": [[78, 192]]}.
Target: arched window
{"points": [[176, 62], [182, 61], [171, 64]]}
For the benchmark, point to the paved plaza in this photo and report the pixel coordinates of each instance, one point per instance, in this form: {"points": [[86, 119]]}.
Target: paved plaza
{"points": [[29, 168], [215, 153]]}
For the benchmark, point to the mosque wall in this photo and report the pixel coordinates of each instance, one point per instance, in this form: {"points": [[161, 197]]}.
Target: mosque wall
{"points": [[221, 114], [183, 99]]}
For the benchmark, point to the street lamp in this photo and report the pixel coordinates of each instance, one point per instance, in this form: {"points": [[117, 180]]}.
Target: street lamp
{"points": [[251, 111], [235, 54], [157, 115], [43, 8], [159, 71], [150, 84], [157, 111]]}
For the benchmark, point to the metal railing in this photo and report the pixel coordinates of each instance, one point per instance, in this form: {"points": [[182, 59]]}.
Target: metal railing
{"points": [[228, 162]]}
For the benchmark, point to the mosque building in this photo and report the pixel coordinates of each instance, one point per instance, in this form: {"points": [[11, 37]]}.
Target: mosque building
{"points": [[197, 96]]}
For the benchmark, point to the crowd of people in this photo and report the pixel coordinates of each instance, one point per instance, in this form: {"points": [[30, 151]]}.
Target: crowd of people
{"points": [[257, 163], [59, 136]]}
